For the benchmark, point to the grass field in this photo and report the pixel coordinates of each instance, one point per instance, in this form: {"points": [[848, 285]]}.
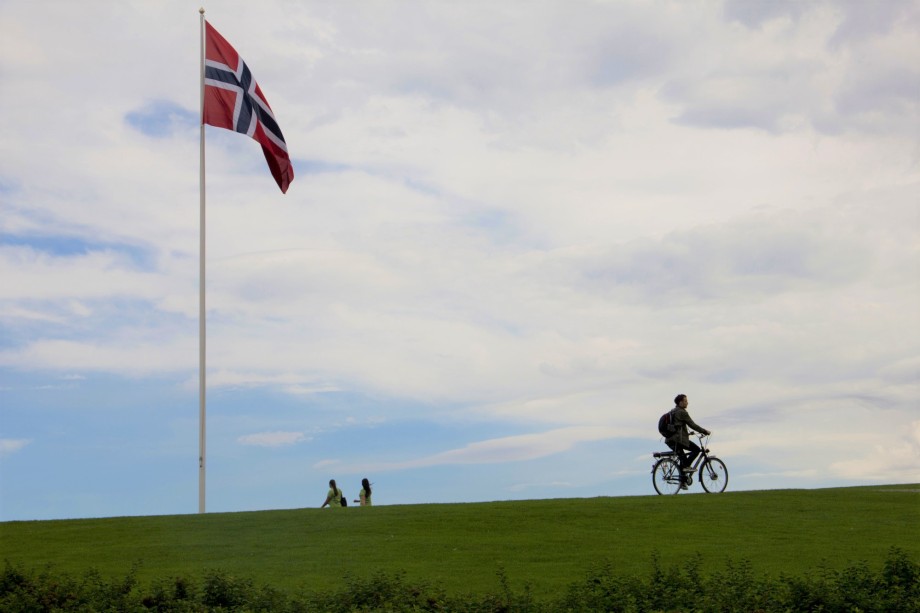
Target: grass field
{"points": [[460, 547]]}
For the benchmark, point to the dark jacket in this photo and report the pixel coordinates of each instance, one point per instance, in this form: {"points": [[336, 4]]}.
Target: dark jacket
{"points": [[682, 419]]}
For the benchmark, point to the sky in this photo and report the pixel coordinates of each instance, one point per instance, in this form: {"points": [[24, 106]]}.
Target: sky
{"points": [[516, 231]]}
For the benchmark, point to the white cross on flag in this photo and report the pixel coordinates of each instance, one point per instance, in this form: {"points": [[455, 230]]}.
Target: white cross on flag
{"points": [[234, 101]]}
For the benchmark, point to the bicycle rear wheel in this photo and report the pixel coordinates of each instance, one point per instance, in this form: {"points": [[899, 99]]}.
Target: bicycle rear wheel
{"points": [[714, 475], [666, 476]]}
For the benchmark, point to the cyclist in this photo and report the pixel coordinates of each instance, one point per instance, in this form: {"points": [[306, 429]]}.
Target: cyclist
{"points": [[680, 442]]}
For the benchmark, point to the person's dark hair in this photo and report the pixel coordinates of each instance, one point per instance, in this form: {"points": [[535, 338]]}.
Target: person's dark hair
{"points": [[367, 487], [332, 484], [678, 398]]}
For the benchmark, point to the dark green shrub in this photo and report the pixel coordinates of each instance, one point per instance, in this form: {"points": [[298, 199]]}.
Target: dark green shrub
{"points": [[685, 587], [225, 591], [22, 591], [172, 595], [380, 592], [899, 585]]}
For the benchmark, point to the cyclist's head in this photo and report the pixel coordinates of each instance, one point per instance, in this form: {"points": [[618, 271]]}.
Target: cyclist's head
{"points": [[679, 398]]}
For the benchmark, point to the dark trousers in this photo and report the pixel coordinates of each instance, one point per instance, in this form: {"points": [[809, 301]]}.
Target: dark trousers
{"points": [[686, 459]]}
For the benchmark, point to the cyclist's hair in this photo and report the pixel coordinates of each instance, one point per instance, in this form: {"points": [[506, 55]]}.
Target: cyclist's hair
{"points": [[678, 398]]}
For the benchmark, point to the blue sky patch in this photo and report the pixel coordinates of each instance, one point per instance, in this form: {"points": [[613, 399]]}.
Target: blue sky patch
{"points": [[63, 246], [315, 167], [161, 118]]}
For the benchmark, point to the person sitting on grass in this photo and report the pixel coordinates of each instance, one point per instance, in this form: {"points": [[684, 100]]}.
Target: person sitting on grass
{"points": [[334, 497]]}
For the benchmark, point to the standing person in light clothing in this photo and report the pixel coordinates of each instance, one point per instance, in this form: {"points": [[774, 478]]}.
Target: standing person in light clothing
{"points": [[364, 496], [334, 497]]}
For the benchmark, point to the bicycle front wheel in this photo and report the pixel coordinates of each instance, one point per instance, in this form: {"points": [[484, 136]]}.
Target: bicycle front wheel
{"points": [[666, 476], [714, 475]]}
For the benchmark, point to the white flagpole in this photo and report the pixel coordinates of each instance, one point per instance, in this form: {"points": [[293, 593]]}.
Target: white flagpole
{"points": [[201, 303]]}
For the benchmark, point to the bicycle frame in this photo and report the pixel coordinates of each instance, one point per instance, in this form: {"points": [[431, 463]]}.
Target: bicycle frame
{"points": [[704, 452]]}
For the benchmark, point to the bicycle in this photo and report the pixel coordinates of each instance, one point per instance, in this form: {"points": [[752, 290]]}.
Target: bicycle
{"points": [[713, 474]]}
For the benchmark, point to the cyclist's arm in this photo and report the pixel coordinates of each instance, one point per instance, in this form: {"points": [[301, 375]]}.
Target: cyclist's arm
{"points": [[695, 426]]}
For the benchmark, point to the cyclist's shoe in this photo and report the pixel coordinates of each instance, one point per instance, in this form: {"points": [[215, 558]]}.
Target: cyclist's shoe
{"points": [[683, 486]]}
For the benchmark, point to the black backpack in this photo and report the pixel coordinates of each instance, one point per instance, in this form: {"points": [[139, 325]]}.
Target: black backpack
{"points": [[666, 425], [343, 501]]}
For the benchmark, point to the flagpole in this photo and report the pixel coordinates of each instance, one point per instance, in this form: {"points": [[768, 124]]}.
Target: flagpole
{"points": [[201, 303]]}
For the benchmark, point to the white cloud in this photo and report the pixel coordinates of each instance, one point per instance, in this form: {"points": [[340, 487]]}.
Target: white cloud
{"points": [[845, 73], [9, 446], [886, 458], [103, 274], [128, 356], [273, 439], [508, 449]]}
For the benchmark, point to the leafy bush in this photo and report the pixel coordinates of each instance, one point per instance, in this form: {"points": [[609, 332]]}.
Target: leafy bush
{"points": [[738, 588], [895, 588]]}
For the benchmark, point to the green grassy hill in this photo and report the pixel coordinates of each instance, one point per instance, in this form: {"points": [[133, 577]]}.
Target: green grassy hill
{"points": [[460, 547]]}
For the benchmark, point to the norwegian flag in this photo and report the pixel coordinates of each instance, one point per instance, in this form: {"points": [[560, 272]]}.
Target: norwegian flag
{"points": [[234, 101]]}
